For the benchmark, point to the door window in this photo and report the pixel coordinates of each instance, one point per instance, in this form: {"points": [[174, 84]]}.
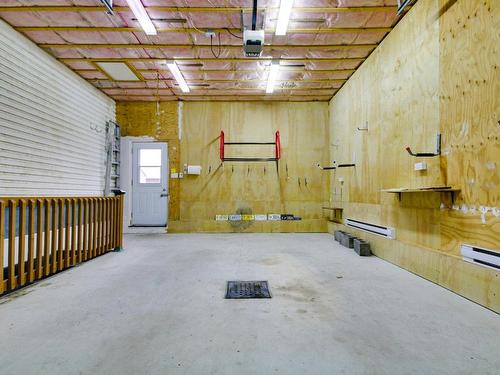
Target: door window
{"points": [[150, 166]]}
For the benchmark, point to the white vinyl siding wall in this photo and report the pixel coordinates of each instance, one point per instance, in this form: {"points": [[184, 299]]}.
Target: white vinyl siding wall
{"points": [[52, 137]]}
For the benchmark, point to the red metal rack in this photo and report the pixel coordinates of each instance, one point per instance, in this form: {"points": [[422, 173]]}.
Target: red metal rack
{"points": [[276, 143]]}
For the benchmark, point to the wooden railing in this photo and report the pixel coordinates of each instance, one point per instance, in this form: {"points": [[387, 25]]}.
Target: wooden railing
{"points": [[42, 236]]}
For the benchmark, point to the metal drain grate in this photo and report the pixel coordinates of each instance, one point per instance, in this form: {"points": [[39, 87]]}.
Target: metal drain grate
{"points": [[247, 289]]}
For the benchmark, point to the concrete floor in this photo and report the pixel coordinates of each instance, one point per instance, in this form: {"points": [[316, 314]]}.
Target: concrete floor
{"points": [[158, 308]]}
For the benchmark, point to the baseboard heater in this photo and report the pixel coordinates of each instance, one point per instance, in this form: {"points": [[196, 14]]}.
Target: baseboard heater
{"points": [[478, 255], [372, 228]]}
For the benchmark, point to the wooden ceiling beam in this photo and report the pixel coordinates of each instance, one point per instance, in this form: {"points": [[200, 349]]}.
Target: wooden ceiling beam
{"points": [[196, 88], [201, 59], [55, 8], [227, 46], [197, 81], [288, 69], [332, 30]]}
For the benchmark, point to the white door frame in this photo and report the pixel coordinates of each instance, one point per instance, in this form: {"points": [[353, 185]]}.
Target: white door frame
{"points": [[126, 166]]}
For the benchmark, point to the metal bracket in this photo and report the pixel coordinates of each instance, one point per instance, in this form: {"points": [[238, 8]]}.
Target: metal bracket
{"points": [[335, 166], [365, 128], [427, 154]]}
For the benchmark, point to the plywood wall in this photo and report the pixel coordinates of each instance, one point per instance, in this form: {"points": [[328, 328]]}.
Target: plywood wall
{"points": [[296, 187], [160, 121], [436, 72]]}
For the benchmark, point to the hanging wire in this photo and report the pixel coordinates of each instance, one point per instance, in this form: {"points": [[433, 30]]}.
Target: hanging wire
{"points": [[212, 47], [229, 31]]}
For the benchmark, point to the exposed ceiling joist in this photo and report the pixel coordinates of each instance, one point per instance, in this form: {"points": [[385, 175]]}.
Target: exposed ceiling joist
{"points": [[193, 30], [201, 59], [56, 8], [226, 46], [327, 44]]}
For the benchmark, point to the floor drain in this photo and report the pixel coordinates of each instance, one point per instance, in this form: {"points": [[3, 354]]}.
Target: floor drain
{"points": [[247, 289]]}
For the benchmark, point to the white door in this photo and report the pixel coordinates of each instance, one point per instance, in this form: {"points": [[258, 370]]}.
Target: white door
{"points": [[149, 184]]}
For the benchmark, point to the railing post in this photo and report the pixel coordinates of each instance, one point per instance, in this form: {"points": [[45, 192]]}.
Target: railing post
{"points": [[2, 236], [119, 222], [21, 279], [11, 270]]}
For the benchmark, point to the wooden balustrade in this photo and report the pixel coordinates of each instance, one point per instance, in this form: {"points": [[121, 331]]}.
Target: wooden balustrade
{"points": [[40, 236]]}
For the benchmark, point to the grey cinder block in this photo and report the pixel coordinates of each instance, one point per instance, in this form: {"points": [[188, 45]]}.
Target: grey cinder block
{"points": [[347, 240], [337, 235], [362, 248]]}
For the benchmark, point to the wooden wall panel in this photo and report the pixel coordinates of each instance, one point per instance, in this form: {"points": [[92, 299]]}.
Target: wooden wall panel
{"points": [[435, 72], [298, 188], [160, 121]]}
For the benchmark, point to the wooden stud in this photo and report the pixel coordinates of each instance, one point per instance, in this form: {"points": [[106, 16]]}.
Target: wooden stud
{"points": [[85, 245], [330, 30], [31, 240], [225, 10], [79, 241], [94, 227], [21, 277], [11, 256], [2, 236], [113, 223], [46, 257], [73, 232], [53, 255], [120, 222], [60, 255], [39, 239], [67, 241]]}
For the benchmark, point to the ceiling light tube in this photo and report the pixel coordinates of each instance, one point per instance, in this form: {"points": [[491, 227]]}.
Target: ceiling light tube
{"points": [[283, 16], [273, 75], [142, 16], [172, 65]]}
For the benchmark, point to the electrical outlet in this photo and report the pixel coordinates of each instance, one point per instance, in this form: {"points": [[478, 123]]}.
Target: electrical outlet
{"points": [[422, 166]]}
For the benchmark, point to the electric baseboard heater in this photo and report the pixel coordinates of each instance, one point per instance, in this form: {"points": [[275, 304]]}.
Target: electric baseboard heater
{"points": [[386, 232], [478, 255]]}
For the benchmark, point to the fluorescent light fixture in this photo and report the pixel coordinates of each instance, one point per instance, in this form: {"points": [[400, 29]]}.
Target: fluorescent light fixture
{"points": [[118, 71], [172, 65], [142, 16], [271, 78], [283, 17]]}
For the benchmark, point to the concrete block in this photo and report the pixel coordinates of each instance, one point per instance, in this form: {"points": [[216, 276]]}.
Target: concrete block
{"points": [[362, 248], [337, 235], [347, 240]]}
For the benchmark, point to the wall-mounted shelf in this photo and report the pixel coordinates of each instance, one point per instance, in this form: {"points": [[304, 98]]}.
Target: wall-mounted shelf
{"points": [[276, 143], [441, 189], [337, 214]]}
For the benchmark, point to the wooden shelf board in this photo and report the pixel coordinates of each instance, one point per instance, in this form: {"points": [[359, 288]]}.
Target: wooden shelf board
{"points": [[332, 208], [420, 190]]}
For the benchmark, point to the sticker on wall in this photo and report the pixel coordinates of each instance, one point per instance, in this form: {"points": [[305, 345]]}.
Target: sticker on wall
{"points": [[247, 217], [260, 217], [274, 217], [221, 217], [234, 217]]}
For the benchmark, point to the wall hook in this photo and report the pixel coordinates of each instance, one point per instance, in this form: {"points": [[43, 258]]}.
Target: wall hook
{"points": [[365, 128], [427, 154], [335, 166]]}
